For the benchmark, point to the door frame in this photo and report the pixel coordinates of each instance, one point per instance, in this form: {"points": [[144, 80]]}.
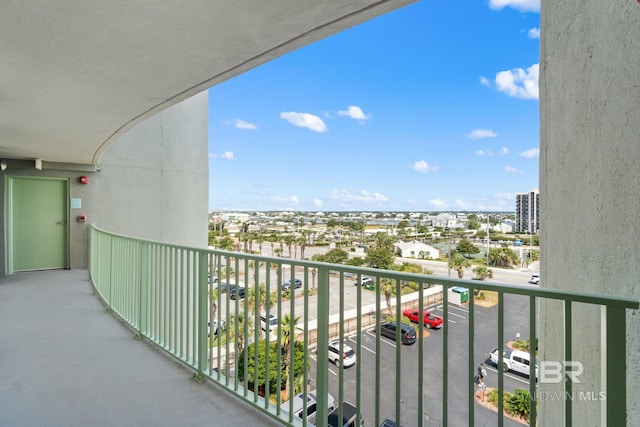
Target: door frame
{"points": [[9, 220]]}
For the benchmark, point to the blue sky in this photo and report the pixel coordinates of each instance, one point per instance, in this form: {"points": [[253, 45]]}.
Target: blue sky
{"points": [[432, 107]]}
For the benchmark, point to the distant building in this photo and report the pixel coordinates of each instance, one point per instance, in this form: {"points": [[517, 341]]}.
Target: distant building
{"points": [[528, 212], [415, 249]]}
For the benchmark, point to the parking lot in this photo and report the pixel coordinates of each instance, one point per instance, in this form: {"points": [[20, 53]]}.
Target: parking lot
{"points": [[381, 356]]}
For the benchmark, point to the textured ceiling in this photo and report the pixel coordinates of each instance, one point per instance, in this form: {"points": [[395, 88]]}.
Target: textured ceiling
{"points": [[75, 74]]}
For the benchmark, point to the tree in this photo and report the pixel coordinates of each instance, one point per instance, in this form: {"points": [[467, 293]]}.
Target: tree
{"points": [[333, 256], [503, 257], [258, 297], [466, 246], [382, 258], [288, 334], [483, 273], [459, 263], [388, 287]]}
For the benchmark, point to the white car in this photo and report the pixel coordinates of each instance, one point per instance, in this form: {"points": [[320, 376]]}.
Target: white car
{"points": [[272, 322], [535, 279], [348, 356]]}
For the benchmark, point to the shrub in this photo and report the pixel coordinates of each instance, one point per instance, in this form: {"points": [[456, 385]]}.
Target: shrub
{"points": [[519, 403]]}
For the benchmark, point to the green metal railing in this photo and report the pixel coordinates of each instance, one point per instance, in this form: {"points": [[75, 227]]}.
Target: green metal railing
{"points": [[173, 296]]}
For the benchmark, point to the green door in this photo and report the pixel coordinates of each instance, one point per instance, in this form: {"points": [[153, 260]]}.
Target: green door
{"points": [[37, 218]]}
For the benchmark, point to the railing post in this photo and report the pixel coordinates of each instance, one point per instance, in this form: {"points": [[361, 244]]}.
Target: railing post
{"points": [[322, 352], [614, 378], [143, 284], [202, 316]]}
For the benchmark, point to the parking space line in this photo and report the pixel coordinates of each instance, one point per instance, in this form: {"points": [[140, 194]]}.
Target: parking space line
{"points": [[361, 346], [316, 360], [373, 335], [450, 313]]}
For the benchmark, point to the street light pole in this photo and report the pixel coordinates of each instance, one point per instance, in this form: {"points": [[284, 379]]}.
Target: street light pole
{"points": [[488, 248]]}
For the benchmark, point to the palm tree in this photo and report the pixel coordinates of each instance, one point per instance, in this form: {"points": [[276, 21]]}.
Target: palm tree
{"points": [[238, 322], [459, 263], [288, 334], [289, 240], [483, 273], [388, 287]]}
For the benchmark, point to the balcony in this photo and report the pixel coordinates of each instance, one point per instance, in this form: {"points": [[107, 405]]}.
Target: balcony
{"points": [[170, 297]]}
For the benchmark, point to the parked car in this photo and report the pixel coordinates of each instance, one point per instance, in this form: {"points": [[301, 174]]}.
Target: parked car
{"points": [[535, 279], [272, 322], [349, 416], [297, 283], [225, 287], [407, 333], [366, 281], [348, 356], [514, 360], [429, 320], [299, 405], [237, 292], [216, 329]]}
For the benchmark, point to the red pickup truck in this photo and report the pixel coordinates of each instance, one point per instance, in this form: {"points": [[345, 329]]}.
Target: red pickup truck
{"points": [[429, 320]]}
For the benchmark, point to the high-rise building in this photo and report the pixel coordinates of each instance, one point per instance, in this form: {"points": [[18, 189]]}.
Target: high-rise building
{"points": [[528, 212]]}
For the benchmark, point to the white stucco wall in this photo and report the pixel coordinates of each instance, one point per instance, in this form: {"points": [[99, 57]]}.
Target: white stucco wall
{"points": [[590, 182], [153, 182]]}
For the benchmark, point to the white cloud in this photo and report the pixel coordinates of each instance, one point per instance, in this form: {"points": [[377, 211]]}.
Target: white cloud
{"points": [[484, 153], [305, 120], [521, 5], [424, 167], [462, 205], [519, 83], [291, 199], [512, 169], [241, 124], [503, 151], [534, 33], [438, 203], [364, 196], [354, 112], [481, 133], [317, 203], [485, 81], [226, 155], [531, 153]]}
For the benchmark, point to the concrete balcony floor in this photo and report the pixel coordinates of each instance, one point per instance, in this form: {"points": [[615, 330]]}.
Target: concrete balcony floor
{"points": [[65, 361]]}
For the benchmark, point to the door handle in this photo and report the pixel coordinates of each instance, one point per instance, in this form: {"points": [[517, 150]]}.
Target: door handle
{"points": [[61, 222]]}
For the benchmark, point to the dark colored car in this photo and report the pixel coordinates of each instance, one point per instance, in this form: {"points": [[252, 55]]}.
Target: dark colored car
{"points": [[349, 416], [224, 287], [236, 292], [297, 283], [407, 333]]}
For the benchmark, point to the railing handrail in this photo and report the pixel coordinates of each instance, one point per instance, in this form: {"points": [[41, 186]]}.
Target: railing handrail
{"points": [[528, 290]]}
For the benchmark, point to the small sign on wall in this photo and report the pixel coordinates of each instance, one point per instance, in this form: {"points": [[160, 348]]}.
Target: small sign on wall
{"points": [[76, 203]]}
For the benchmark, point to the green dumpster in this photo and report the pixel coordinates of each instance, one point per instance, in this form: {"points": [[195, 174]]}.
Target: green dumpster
{"points": [[464, 294]]}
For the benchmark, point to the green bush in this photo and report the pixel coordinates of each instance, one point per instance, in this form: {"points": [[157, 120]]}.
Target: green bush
{"points": [[297, 367], [518, 404]]}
